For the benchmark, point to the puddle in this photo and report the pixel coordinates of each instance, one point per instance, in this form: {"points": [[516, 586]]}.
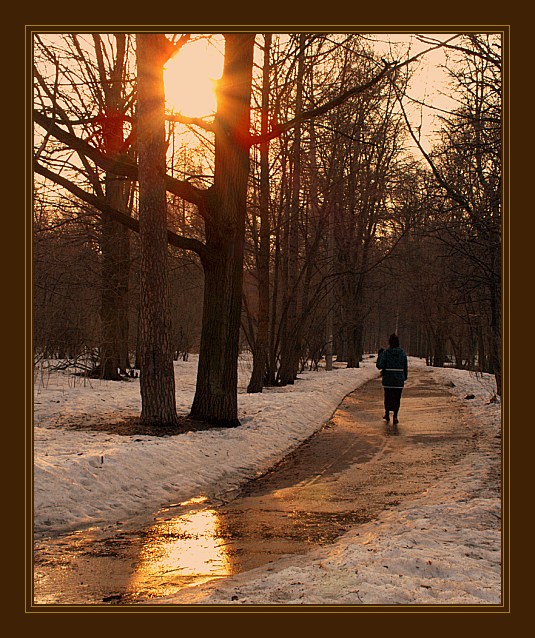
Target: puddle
{"points": [[182, 551], [177, 551]]}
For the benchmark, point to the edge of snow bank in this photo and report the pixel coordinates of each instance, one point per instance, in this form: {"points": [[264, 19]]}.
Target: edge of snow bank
{"points": [[83, 478]]}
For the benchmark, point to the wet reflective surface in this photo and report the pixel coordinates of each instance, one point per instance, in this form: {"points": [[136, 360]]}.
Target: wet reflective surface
{"points": [[184, 549], [123, 566], [344, 475]]}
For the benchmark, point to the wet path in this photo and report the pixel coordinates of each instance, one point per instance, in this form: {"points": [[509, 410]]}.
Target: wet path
{"points": [[346, 474]]}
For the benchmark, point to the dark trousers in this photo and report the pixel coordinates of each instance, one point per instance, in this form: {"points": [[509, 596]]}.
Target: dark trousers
{"points": [[392, 399]]}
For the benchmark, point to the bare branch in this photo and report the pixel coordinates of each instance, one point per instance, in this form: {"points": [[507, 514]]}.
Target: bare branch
{"points": [[186, 243], [122, 166], [457, 197], [93, 177], [173, 47], [195, 121], [388, 69], [480, 52]]}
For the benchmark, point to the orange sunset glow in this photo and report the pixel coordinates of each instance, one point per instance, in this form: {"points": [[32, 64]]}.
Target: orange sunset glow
{"points": [[190, 78]]}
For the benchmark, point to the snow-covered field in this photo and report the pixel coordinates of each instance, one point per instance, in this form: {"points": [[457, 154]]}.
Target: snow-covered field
{"points": [[443, 547]]}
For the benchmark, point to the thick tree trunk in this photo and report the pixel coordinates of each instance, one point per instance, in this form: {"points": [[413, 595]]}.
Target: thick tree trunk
{"points": [[157, 381], [341, 344], [439, 348], [216, 397], [114, 296], [354, 355], [217, 376]]}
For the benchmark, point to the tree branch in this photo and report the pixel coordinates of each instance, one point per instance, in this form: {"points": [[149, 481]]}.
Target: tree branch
{"points": [[195, 121], [480, 53], [455, 196], [121, 165], [93, 178], [320, 110], [173, 47], [186, 243], [337, 101]]}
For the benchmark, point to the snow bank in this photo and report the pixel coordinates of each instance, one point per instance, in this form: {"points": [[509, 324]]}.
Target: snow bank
{"points": [[84, 478], [441, 548]]}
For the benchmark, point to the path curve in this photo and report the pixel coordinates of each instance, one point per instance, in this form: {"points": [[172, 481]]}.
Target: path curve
{"points": [[348, 472]]}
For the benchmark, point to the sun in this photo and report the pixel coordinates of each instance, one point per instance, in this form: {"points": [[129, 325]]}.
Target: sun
{"points": [[190, 78]]}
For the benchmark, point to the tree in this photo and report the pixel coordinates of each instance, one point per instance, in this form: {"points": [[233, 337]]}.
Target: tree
{"points": [[223, 210], [466, 165], [222, 206], [261, 342], [114, 241], [216, 397], [66, 288], [157, 379], [289, 329], [98, 107]]}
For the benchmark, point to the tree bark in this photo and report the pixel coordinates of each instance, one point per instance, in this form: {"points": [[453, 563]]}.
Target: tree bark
{"points": [[262, 334], [114, 298], [289, 341], [114, 238], [215, 397], [157, 381]]}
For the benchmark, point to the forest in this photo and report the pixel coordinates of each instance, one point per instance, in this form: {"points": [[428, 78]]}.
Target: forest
{"points": [[303, 220]]}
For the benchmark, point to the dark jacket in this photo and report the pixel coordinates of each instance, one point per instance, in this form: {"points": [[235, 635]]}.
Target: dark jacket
{"points": [[393, 363]]}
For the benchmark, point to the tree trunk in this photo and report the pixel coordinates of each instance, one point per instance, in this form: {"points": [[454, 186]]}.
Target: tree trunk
{"points": [[114, 297], [114, 238], [329, 299], [289, 341], [157, 381], [262, 334], [355, 346], [439, 348], [495, 347], [216, 397], [278, 279]]}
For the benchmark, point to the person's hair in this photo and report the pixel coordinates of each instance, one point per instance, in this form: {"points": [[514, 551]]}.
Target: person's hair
{"points": [[393, 341]]}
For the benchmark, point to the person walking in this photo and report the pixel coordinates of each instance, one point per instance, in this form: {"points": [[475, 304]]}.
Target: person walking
{"points": [[394, 369]]}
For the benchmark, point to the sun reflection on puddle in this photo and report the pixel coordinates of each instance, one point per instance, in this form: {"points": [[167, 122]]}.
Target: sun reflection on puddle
{"points": [[182, 551]]}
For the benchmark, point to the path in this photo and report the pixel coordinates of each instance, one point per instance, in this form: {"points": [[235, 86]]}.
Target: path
{"points": [[346, 474]]}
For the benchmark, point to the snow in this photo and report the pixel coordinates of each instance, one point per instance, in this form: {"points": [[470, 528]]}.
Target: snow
{"points": [[442, 548]]}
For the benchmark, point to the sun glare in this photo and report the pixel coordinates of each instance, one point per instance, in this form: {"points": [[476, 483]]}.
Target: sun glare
{"points": [[190, 79], [182, 551]]}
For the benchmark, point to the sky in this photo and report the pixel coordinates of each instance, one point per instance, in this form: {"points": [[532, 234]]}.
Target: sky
{"points": [[199, 64], [429, 84], [441, 547]]}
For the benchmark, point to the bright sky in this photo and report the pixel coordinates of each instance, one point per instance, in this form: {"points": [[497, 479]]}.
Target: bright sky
{"points": [[190, 77], [430, 81]]}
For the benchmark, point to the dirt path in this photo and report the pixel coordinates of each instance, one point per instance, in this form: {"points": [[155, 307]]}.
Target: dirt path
{"points": [[346, 474]]}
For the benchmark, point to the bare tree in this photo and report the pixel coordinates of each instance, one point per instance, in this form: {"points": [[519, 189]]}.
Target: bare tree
{"points": [[157, 380], [98, 107], [466, 165], [261, 341], [222, 207]]}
